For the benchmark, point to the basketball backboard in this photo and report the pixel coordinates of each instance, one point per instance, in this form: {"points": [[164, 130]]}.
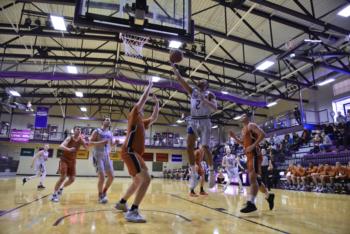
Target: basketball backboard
{"points": [[167, 19]]}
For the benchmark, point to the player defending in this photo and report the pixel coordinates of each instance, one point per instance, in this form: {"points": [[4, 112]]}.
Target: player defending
{"points": [[70, 146], [230, 163], [102, 139], [252, 135], [39, 166], [132, 151], [199, 156], [203, 104]]}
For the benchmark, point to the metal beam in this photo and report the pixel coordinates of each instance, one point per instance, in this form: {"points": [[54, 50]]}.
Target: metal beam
{"points": [[58, 2], [97, 87], [188, 54], [281, 20], [238, 39], [168, 72], [285, 10]]}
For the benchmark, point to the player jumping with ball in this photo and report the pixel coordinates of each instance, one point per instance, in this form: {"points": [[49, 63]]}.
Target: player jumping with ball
{"points": [[203, 104]]}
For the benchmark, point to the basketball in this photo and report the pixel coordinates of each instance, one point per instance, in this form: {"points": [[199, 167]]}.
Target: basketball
{"points": [[176, 56]]}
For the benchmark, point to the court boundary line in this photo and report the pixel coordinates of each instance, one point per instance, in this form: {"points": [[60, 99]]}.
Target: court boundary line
{"points": [[59, 220], [233, 215], [23, 205]]}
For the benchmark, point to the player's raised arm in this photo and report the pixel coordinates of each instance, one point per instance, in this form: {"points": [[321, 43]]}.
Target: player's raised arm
{"points": [[140, 104], [182, 81], [155, 113]]}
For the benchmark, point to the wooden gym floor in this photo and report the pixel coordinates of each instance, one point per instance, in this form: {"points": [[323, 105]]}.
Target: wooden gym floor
{"points": [[168, 209]]}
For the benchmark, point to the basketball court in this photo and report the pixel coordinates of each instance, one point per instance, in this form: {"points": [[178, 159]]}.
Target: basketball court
{"points": [[168, 209], [75, 64]]}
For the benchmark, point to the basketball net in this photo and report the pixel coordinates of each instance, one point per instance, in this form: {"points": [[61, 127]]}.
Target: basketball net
{"points": [[133, 44]]}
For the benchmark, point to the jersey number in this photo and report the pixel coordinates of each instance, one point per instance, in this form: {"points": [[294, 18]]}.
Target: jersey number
{"points": [[198, 102]]}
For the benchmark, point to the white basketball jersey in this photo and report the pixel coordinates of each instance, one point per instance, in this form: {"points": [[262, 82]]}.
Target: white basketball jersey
{"points": [[42, 157], [231, 161], [103, 135], [198, 108]]}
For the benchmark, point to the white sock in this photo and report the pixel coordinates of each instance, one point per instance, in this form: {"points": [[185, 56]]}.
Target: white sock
{"points": [[252, 199], [239, 183]]}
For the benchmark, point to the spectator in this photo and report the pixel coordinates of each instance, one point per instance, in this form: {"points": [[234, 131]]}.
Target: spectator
{"points": [[296, 142], [154, 139], [286, 143], [300, 173], [220, 179], [329, 130], [338, 136], [348, 116], [290, 173], [317, 142], [316, 178], [297, 114], [347, 135], [305, 136], [340, 118], [325, 177], [327, 142]]}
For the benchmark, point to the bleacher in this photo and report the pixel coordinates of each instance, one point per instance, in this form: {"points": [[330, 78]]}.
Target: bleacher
{"points": [[326, 158]]}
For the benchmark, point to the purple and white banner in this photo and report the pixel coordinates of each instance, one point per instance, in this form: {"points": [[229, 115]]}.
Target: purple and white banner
{"points": [[18, 135], [41, 117]]}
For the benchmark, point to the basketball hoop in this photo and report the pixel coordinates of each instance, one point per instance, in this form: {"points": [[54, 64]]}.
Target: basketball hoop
{"points": [[133, 44]]}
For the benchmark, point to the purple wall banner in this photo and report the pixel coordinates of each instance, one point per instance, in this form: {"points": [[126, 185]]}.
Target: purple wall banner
{"points": [[18, 135], [176, 158], [41, 117]]}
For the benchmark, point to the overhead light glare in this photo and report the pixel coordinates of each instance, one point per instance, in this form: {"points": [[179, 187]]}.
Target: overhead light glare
{"points": [[72, 69], [265, 65], [180, 121], [330, 80], [175, 44], [155, 79], [271, 104], [345, 12], [79, 94], [58, 22], [14, 93]]}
